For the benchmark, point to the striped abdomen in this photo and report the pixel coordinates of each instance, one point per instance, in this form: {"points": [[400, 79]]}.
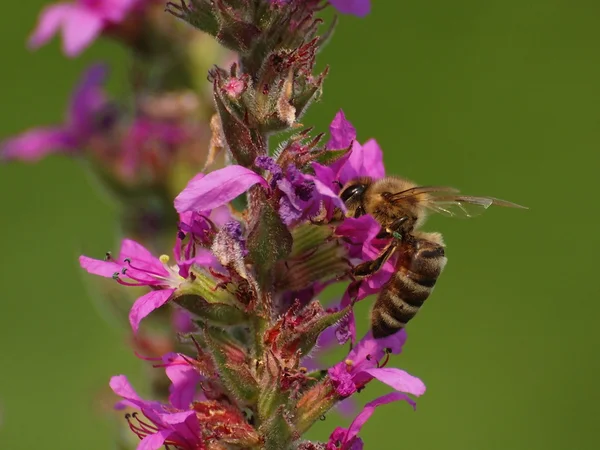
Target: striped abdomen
{"points": [[420, 262]]}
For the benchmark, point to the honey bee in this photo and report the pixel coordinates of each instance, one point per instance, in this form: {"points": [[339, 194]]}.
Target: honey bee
{"points": [[400, 207]]}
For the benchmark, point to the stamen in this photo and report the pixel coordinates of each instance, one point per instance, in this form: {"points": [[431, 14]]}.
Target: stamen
{"points": [[164, 259], [149, 272], [108, 257], [388, 351]]}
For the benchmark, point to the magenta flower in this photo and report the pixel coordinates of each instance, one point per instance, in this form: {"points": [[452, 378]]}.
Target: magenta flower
{"points": [[206, 192], [136, 266], [358, 8], [184, 379], [298, 197], [87, 106], [163, 425], [347, 439], [362, 161], [363, 364], [80, 21]]}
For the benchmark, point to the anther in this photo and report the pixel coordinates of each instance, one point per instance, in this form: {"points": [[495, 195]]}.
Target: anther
{"points": [[115, 276], [127, 260], [322, 418], [164, 259], [108, 256]]}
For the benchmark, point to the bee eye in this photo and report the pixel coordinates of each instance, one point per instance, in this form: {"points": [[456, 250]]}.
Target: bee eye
{"points": [[351, 191]]}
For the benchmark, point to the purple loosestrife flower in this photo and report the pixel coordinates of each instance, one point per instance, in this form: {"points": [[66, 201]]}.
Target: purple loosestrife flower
{"points": [[298, 199], [81, 22], [136, 266], [358, 8], [347, 439], [88, 103], [363, 365], [163, 424]]}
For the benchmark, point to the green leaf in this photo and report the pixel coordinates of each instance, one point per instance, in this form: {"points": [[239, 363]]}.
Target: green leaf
{"points": [[268, 242], [232, 363], [328, 157]]}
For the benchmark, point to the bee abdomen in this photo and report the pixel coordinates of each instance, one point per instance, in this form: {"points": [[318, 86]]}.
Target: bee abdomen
{"points": [[402, 296], [397, 303]]}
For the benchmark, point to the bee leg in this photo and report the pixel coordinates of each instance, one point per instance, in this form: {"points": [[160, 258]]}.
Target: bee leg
{"points": [[395, 229], [370, 267]]}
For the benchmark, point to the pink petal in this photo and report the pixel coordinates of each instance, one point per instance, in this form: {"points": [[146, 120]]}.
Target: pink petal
{"points": [[98, 267], [216, 188], [50, 20], [324, 173], [81, 27], [115, 10], [342, 132], [369, 409], [146, 304], [140, 257], [154, 441], [184, 379], [37, 143], [373, 159], [398, 379], [355, 166], [177, 418], [121, 386], [358, 8], [326, 192]]}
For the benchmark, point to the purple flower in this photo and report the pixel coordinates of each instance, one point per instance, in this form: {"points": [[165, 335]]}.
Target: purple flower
{"points": [[362, 161], [363, 364], [347, 439], [206, 192], [298, 197], [136, 266], [184, 379], [87, 103], [358, 8], [80, 21], [163, 425]]}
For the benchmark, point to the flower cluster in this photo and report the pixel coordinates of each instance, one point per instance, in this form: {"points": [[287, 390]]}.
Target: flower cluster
{"points": [[258, 233]]}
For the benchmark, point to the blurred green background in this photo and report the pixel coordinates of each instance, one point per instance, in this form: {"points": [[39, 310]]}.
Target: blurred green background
{"points": [[497, 98]]}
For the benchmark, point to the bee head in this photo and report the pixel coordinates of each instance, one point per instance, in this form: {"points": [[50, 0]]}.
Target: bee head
{"points": [[353, 197]]}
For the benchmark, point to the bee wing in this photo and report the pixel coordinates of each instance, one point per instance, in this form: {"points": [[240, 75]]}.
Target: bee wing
{"points": [[464, 206], [420, 190]]}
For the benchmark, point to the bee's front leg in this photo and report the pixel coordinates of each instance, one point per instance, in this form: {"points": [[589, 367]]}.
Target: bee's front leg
{"points": [[397, 229], [370, 267]]}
